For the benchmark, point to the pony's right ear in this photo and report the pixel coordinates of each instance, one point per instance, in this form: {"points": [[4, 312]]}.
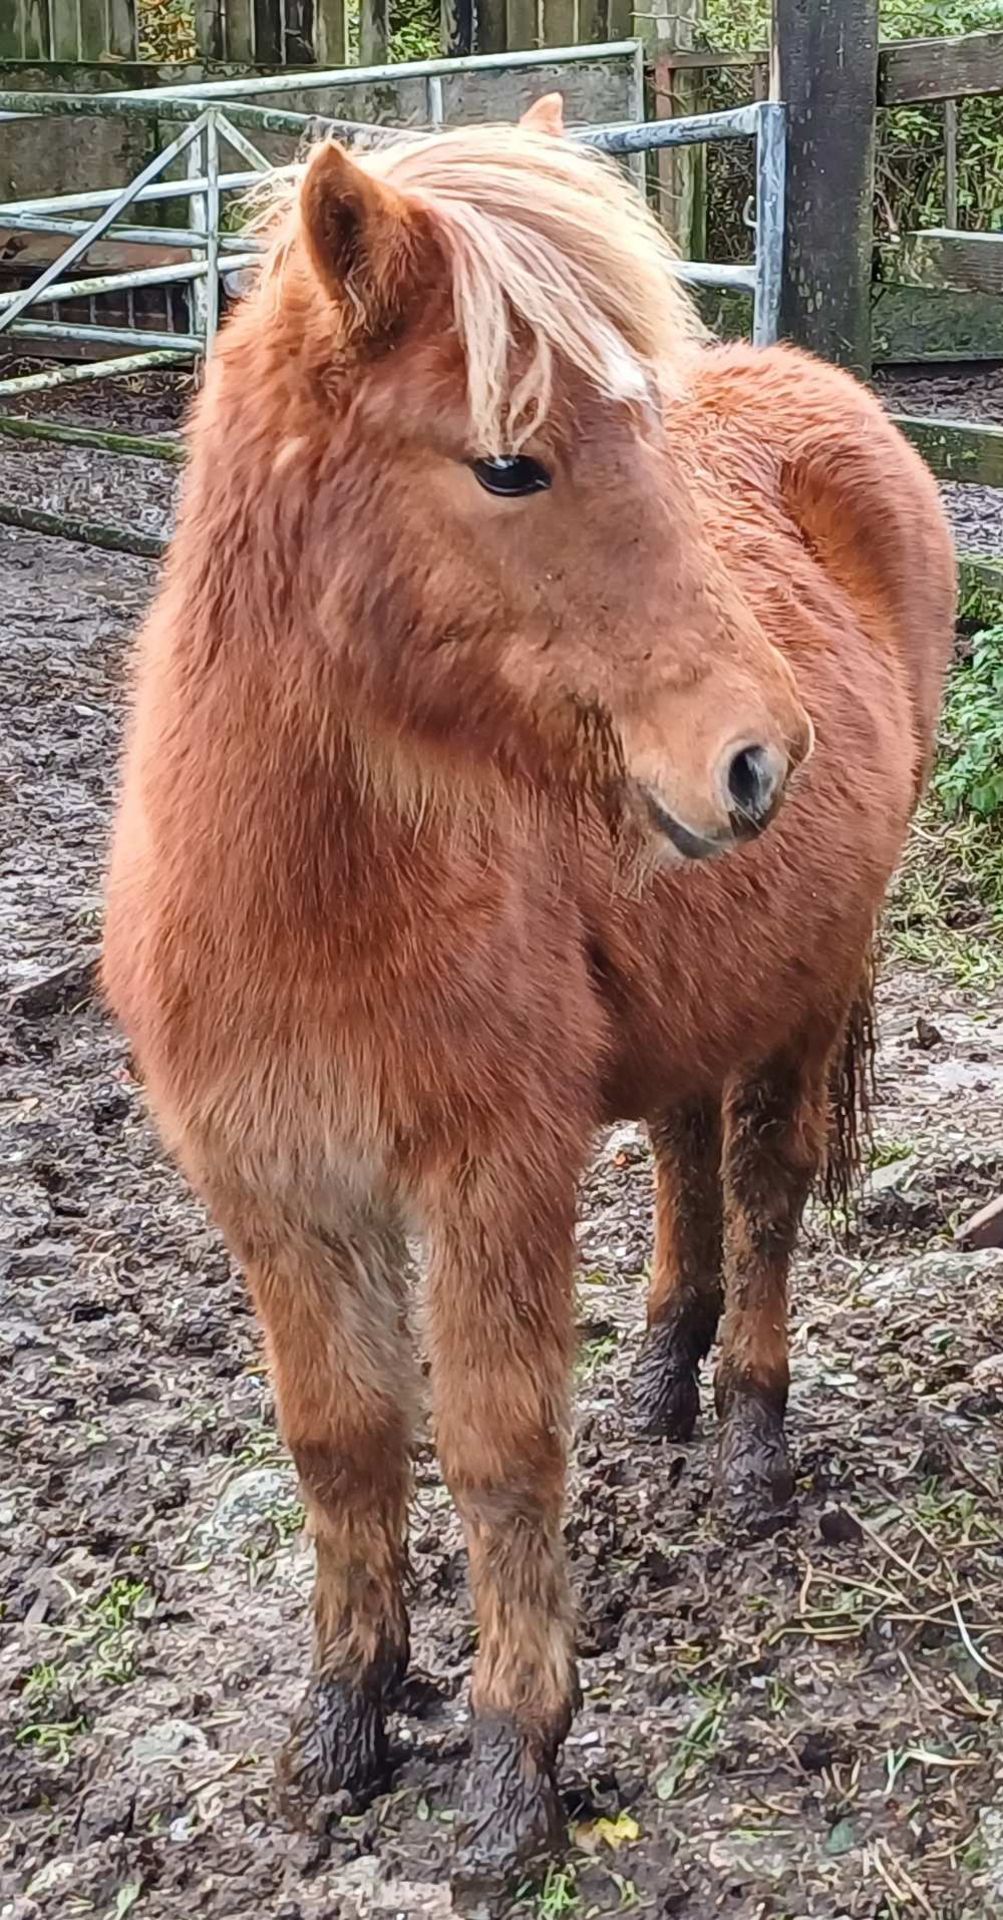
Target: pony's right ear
{"points": [[546, 115], [362, 236]]}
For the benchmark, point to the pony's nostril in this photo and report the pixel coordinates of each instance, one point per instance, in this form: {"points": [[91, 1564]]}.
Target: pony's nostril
{"points": [[754, 780]]}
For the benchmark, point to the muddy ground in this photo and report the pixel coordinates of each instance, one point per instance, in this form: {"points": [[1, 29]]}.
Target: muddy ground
{"points": [[811, 1725]]}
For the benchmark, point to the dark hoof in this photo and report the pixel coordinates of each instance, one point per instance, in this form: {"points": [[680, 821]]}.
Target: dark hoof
{"points": [[512, 1818], [337, 1745], [755, 1484], [664, 1395]]}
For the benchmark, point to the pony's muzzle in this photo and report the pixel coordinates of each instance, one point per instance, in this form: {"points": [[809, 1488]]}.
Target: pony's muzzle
{"points": [[747, 786]]}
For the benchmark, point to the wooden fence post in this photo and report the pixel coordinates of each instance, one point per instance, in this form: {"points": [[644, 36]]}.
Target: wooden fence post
{"points": [[330, 33], [824, 60], [680, 172], [374, 32], [456, 18], [209, 31]]}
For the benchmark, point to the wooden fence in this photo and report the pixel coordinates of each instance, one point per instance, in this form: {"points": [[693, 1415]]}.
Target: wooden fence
{"points": [[68, 30], [292, 33]]}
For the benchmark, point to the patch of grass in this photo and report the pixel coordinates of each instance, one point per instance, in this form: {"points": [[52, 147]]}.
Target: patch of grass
{"points": [[557, 1896], [281, 1524], [262, 1448], [593, 1354], [42, 1685], [112, 1631], [946, 907], [889, 1153], [51, 1739], [945, 911], [98, 1647], [698, 1746]]}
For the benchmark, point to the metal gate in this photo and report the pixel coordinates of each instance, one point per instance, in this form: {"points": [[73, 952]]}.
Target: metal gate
{"points": [[214, 139]]}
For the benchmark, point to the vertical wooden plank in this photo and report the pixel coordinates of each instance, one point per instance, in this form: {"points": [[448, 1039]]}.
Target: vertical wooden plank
{"points": [[374, 32], [92, 29], [123, 30], [951, 162], [456, 27], [209, 30], [10, 30], [492, 26], [298, 33], [330, 33], [63, 28], [38, 29], [824, 59], [238, 38], [268, 33], [558, 23], [623, 21], [523, 24], [681, 172], [593, 21]]}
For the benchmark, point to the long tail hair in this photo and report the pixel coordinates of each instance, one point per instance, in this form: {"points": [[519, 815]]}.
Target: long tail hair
{"points": [[851, 1093]]}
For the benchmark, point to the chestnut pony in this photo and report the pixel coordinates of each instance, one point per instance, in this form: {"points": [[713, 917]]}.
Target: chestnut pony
{"points": [[498, 600]]}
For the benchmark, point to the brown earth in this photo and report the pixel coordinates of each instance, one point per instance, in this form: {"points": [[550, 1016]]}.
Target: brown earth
{"points": [[806, 1726]]}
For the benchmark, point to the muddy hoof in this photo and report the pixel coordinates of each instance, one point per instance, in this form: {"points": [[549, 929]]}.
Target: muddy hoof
{"points": [[664, 1395], [512, 1817], [337, 1745], [755, 1484]]}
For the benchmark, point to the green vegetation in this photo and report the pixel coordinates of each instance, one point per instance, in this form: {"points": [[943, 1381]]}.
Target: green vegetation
{"points": [[166, 30], [698, 1745], [969, 777], [947, 905], [946, 909], [97, 1646]]}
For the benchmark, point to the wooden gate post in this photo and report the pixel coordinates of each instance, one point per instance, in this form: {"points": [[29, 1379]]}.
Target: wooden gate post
{"points": [[824, 61]]}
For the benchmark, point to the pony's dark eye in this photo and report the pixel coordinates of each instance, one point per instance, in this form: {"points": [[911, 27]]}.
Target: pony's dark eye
{"points": [[511, 475]]}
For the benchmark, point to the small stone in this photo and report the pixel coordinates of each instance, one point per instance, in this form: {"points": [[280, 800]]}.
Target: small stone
{"points": [[839, 1528], [52, 990], [249, 1502], [987, 1374], [54, 1874], [625, 1145], [926, 1035], [165, 1743], [817, 1750], [983, 1229]]}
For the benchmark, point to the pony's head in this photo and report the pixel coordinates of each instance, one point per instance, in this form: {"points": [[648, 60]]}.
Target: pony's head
{"points": [[479, 337]]}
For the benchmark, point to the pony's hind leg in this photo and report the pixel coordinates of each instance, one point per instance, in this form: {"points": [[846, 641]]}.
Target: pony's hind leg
{"points": [[775, 1140], [684, 1298], [331, 1300], [500, 1306]]}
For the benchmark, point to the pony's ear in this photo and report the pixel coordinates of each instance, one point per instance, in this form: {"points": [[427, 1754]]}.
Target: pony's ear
{"points": [[546, 115], [362, 236]]}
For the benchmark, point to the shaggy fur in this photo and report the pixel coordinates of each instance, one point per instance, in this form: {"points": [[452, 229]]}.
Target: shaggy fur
{"points": [[367, 928]]}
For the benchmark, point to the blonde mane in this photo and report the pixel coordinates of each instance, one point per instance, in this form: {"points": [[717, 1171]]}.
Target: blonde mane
{"points": [[554, 255]]}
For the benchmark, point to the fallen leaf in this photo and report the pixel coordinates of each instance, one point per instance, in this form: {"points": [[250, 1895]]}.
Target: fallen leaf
{"points": [[593, 1834]]}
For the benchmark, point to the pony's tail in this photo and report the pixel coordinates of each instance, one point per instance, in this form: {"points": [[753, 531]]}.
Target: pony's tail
{"points": [[851, 1093]]}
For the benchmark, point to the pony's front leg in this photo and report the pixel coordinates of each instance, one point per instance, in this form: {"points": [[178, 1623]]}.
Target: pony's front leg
{"points": [[501, 1242], [330, 1295]]}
